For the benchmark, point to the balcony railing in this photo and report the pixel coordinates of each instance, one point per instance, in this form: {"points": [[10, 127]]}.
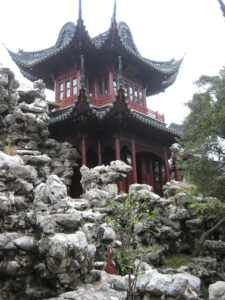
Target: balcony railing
{"points": [[146, 111], [101, 101], [105, 100]]}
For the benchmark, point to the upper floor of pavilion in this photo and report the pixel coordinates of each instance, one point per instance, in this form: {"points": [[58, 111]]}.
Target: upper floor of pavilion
{"points": [[60, 66]]}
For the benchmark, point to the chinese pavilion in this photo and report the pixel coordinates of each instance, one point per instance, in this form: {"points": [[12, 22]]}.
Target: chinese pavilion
{"points": [[101, 85]]}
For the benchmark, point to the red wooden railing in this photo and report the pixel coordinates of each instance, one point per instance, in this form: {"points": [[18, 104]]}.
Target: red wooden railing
{"points": [[105, 100], [101, 101], [146, 111]]}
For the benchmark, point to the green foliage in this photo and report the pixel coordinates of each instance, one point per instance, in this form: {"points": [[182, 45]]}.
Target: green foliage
{"points": [[126, 214], [210, 207], [204, 137], [9, 150], [177, 260], [204, 290]]}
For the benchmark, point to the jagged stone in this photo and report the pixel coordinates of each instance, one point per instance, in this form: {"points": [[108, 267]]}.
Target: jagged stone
{"points": [[15, 166], [100, 177], [26, 243], [177, 152], [107, 233], [214, 248], [182, 285], [217, 291], [69, 221], [194, 224]]}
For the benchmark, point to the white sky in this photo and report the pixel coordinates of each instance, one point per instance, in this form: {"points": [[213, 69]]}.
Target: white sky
{"points": [[162, 29]]}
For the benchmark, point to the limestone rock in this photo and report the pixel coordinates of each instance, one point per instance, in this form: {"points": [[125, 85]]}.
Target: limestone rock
{"points": [[181, 285], [15, 167], [26, 243], [54, 190], [217, 291], [69, 221], [101, 176], [177, 152], [107, 233]]}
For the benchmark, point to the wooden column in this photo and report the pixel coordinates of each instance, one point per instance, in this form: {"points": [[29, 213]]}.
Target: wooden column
{"points": [[175, 170], [142, 169], [134, 165], [99, 153], [167, 170], [117, 152], [151, 174], [111, 91], [161, 176], [117, 146], [83, 149]]}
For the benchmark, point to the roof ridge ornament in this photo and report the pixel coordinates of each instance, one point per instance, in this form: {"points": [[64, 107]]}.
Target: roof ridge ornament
{"points": [[120, 74], [113, 19], [80, 10], [82, 74]]}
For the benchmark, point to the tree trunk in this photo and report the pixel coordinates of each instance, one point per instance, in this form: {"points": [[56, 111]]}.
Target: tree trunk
{"points": [[202, 239]]}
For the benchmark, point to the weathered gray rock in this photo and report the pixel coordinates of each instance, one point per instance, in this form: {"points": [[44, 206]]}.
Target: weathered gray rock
{"points": [[182, 285], [178, 214], [10, 267], [13, 167], [4, 203], [26, 243], [6, 239], [93, 292], [217, 291], [53, 191], [142, 191], [214, 248], [204, 267], [69, 221], [173, 187], [107, 233], [195, 224], [100, 177], [177, 152]]}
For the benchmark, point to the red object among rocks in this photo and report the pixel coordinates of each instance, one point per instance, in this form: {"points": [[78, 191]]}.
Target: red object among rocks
{"points": [[110, 267]]}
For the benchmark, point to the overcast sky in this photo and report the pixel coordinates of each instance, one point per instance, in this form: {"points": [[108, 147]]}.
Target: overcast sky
{"points": [[162, 29]]}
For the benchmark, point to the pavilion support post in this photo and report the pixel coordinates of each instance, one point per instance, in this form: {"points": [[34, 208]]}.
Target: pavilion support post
{"points": [[151, 174], [117, 151], [167, 170], [134, 164], [161, 177], [99, 153], [175, 170], [111, 90], [117, 146], [83, 149]]}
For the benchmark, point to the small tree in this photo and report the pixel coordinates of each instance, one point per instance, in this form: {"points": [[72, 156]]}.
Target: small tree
{"points": [[126, 213], [204, 137], [204, 141], [210, 208]]}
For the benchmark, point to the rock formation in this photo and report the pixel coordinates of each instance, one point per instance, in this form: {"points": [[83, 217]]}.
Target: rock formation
{"points": [[54, 247]]}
